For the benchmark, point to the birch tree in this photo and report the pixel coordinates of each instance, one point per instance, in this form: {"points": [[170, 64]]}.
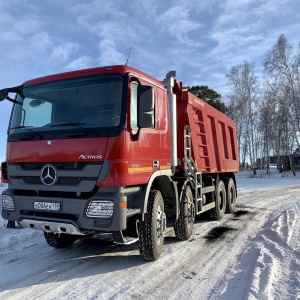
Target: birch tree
{"points": [[243, 109], [282, 70]]}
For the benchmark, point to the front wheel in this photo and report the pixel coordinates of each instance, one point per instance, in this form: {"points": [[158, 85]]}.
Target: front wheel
{"points": [[59, 240], [151, 238], [217, 213], [183, 226]]}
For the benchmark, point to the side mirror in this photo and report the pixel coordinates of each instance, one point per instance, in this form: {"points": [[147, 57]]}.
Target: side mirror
{"points": [[145, 105], [3, 94]]}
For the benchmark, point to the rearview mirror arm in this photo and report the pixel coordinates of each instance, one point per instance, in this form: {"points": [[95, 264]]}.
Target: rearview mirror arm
{"points": [[4, 93], [13, 101]]}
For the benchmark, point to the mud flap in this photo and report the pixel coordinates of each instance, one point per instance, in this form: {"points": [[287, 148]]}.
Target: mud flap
{"points": [[11, 224]]}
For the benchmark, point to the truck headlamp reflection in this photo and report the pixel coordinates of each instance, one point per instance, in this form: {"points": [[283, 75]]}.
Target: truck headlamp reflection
{"points": [[8, 202], [100, 209]]}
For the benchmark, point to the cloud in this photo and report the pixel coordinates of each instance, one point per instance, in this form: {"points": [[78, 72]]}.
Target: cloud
{"points": [[114, 27], [197, 39], [243, 30], [42, 42], [177, 20], [82, 62], [11, 37], [27, 25], [63, 51], [109, 55]]}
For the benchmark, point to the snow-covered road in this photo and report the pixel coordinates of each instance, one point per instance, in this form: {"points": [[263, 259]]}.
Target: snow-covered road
{"points": [[252, 254]]}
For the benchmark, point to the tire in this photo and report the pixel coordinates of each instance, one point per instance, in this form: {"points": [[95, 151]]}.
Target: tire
{"points": [[231, 195], [217, 213], [183, 226], [151, 239], [59, 240]]}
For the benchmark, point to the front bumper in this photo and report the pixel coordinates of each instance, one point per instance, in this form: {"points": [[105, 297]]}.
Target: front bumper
{"points": [[72, 217]]}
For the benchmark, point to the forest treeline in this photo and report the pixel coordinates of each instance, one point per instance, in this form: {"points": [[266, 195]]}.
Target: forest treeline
{"points": [[265, 107]]}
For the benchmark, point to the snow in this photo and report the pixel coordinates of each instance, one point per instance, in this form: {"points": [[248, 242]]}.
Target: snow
{"points": [[251, 254]]}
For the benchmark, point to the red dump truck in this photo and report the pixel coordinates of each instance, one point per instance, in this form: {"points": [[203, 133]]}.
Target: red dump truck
{"points": [[111, 149]]}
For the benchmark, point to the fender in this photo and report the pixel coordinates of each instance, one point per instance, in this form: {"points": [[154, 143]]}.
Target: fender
{"points": [[142, 198]]}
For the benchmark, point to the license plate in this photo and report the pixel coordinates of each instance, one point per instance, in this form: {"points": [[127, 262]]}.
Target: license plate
{"points": [[47, 206]]}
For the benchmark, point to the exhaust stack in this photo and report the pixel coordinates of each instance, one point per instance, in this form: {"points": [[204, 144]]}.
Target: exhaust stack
{"points": [[169, 84]]}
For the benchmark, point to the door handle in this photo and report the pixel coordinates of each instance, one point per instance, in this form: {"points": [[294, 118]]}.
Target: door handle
{"points": [[155, 164]]}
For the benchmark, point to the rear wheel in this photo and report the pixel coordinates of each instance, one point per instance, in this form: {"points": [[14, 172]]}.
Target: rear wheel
{"points": [[217, 213], [151, 239], [59, 240], [183, 226], [231, 195]]}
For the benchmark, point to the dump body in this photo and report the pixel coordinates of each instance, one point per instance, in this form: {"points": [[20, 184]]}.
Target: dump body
{"points": [[213, 134]]}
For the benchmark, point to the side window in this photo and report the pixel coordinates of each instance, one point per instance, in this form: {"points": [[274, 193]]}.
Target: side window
{"points": [[133, 105]]}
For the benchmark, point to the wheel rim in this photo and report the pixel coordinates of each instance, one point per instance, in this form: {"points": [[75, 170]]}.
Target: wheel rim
{"points": [[191, 211], [231, 200], [221, 200], [159, 224]]}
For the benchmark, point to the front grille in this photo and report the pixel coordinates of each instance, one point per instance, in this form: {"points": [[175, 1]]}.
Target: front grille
{"points": [[32, 180], [61, 180], [75, 177], [49, 215], [69, 180], [58, 165]]}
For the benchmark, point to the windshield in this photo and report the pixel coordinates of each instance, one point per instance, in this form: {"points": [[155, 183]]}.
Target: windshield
{"points": [[84, 102]]}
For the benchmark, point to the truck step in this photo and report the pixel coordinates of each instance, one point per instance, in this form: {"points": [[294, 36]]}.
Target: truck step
{"points": [[132, 211], [120, 239]]}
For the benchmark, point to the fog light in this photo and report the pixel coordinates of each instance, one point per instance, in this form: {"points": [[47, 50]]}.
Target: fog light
{"points": [[101, 209], [8, 202]]}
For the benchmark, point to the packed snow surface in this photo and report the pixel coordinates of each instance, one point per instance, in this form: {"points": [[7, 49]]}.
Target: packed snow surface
{"points": [[251, 254]]}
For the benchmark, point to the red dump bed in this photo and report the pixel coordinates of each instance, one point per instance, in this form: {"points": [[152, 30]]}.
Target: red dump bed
{"points": [[213, 134]]}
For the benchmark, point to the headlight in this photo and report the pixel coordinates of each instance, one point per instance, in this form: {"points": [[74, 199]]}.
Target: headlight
{"points": [[8, 202], [100, 209]]}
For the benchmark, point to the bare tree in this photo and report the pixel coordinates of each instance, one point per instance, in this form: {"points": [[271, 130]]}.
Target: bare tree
{"points": [[267, 114], [282, 70], [274, 121], [243, 109]]}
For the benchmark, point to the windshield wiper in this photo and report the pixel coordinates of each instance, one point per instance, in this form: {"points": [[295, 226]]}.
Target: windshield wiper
{"points": [[75, 125], [68, 124], [27, 128]]}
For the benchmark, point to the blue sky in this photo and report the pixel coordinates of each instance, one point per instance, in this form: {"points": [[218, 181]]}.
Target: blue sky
{"points": [[201, 40]]}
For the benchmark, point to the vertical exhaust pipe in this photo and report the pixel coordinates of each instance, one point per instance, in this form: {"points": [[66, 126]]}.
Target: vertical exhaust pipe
{"points": [[169, 84]]}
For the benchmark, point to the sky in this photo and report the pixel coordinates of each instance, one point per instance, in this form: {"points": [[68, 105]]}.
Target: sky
{"points": [[201, 40]]}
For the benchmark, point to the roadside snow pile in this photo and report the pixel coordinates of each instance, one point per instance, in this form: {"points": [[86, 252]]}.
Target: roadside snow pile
{"points": [[273, 173], [246, 182]]}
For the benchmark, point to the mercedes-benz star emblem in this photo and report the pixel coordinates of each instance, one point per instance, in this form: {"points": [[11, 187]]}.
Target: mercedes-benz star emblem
{"points": [[48, 175]]}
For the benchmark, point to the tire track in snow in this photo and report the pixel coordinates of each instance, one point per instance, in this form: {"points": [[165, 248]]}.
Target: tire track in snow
{"points": [[278, 269], [268, 267]]}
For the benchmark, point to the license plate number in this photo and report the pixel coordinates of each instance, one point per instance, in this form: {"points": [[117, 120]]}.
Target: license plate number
{"points": [[47, 206]]}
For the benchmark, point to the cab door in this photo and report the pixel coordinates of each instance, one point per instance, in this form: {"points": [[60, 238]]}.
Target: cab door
{"points": [[144, 152]]}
